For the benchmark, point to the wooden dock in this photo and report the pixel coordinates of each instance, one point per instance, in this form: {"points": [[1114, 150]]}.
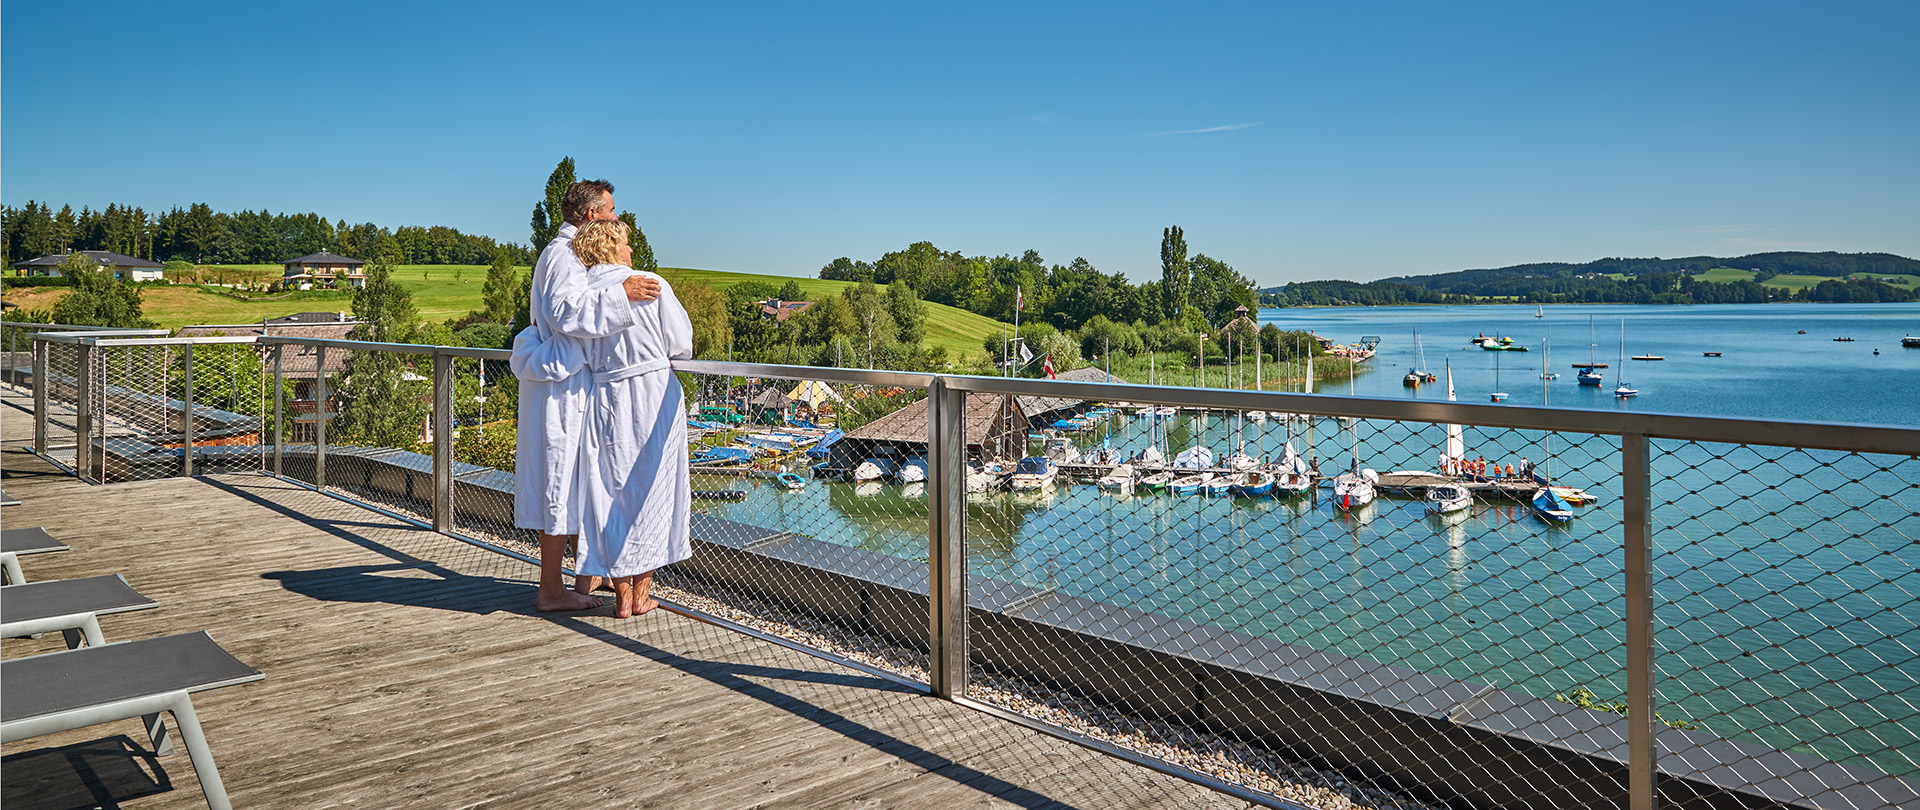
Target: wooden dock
{"points": [[407, 669]]}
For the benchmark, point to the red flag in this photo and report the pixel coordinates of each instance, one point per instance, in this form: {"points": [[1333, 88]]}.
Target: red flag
{"points": [[1019, 299], [1049, 367]]}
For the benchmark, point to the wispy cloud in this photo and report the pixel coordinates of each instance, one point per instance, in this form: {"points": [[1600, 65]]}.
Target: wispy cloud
{"points": [[1221, 128]]}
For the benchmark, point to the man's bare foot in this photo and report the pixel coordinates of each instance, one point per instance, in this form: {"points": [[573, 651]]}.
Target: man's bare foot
{"points": [[589, 584], [623, 597], [565, 600], [646, 605]]}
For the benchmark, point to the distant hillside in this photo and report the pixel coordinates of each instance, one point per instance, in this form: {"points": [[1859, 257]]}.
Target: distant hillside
{"points": [[1756, 278], [1515, 280], [960, 331]]}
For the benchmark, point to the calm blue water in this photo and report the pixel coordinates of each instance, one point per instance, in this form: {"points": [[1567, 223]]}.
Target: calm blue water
{"points": [[1766, 370], [1786, 580]]}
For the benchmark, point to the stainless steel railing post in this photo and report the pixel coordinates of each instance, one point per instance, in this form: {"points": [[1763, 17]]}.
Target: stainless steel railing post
{"points": [[83, 411], [279, 397], [442, 442], [40, 348], [1637, 496], [947, 539], [320, 418], [186, 412]]}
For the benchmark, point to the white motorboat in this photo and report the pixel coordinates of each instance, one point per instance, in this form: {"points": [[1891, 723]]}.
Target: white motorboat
{"points": [[874, 469], [1062, 450], [1034, 473], [912, 472], [1119, 478], [1448, 498]]}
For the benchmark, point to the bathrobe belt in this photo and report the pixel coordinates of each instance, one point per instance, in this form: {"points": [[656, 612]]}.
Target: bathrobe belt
{"points": [[635, 370]]}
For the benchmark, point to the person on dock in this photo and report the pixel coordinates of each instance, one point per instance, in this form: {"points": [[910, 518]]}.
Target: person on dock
{"points": [[633, 489], [549, 357]]}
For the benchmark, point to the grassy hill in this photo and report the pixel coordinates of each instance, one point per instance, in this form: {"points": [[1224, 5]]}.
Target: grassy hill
{"points": [[441, 292]]}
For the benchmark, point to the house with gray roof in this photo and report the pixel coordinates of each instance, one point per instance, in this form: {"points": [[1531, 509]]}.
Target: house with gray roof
{"points": [[323, 269], [124, 267]]}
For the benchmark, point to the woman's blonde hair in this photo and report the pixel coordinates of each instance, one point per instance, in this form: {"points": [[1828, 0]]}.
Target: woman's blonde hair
{"points": [[599, 242]]}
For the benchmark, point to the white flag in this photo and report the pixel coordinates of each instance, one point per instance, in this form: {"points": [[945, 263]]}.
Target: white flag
{"points": [[1025, 356]]}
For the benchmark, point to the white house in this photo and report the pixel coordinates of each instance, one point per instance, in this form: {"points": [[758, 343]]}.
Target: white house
{"points": [[124, 266], [323, 268]]}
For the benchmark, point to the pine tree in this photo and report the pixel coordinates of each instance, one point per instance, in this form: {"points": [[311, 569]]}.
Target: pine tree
{"points": [[1173, 271], [637, 239], [547, 217], [499, 293]]}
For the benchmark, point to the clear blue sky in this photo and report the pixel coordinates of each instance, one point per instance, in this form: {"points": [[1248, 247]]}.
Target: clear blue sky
{"points": [[1293, 140]]}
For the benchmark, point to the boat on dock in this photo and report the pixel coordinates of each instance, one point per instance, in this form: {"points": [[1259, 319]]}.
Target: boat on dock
{"points": [[1119, 479], [1354, 490], [874, 469], [1155, 482], [914, 471], [1189, 485]]}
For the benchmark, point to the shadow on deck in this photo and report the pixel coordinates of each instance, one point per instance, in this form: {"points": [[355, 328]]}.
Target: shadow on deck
{"points": [[408, 669]]}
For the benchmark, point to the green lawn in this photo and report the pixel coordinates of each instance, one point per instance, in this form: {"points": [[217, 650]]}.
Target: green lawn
{"points": [[1725, 275], [441, 292]]}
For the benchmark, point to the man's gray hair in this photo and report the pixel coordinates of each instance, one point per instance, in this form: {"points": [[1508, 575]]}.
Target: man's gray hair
{"points": [[581, 197]]}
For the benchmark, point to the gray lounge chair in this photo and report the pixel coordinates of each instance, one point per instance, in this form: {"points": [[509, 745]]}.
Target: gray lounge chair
{"points": [[68, 605], [17, 543], [62, 691]]}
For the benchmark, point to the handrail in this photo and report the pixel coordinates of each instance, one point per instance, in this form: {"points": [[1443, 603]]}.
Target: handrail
{"points": [[76, 327], [1841, 436], [99, 334]]}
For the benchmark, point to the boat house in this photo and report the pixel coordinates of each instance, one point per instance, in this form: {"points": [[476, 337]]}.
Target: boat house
{"points": [[995, 427], [1044, 411]]}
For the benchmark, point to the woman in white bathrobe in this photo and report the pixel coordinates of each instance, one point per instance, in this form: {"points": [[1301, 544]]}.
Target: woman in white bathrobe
{"points": [[632, 487]]}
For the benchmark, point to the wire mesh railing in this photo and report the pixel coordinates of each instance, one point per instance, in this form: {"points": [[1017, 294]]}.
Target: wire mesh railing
{"points": [[1293, 598]]}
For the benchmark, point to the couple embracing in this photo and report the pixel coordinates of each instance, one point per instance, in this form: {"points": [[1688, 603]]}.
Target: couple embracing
{"points": [[601, 448]]}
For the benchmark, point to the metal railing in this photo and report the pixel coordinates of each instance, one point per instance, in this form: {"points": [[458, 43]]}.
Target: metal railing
{"points": [[1733, 622]]}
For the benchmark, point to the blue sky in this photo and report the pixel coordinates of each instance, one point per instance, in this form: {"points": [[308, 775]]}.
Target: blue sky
{"points": [[1295, 141]]}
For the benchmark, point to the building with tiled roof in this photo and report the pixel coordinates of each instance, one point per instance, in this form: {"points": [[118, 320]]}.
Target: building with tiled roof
{"points": [[124, 267]]}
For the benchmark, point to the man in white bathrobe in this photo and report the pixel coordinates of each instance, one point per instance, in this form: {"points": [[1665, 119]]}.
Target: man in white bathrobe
{"points": [[549, 357]]}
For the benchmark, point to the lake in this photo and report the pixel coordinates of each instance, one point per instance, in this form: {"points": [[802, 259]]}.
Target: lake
{"points": [[1786, 580]]}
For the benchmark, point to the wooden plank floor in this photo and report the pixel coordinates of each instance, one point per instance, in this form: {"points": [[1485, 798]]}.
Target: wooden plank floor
{"points": [[406, 669]]}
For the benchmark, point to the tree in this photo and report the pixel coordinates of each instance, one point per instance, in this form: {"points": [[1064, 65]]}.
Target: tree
{"points": [[547, 217], [498, 294], [637, 239], [1173, 271], [790, 291], [707, 308], [97, 298], [381, 403], [908, 311]]}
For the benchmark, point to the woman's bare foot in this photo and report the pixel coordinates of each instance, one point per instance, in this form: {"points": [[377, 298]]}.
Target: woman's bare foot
{"points": [[642, 586], [623, 597], [564, 600]]}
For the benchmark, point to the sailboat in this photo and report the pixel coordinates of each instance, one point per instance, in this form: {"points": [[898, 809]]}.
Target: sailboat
{"points": [[1539, 311], [1456, 443], [1624, 390], [1546, 366], [1354, 489], [1418, 373], [1589, 373], [1498, 395]]}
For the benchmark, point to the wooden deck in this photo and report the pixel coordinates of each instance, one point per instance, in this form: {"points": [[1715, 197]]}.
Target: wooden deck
{"points": [[407, 669]]}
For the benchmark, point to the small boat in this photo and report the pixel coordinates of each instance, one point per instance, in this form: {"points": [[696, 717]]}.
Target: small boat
{"points": [[1062, 450], [1240, 461], [979, 480], [1551, 506], [1291, 483], [1843, 340], [1448, 498], [1352, 491], [1910, 342], [1648, 357], [1155, 482], [1573, 495], [1256, 416], [914, 471], [1710, 354], [1150, 457], [1215, 485], [1255, 484], [1504, 344], [1119, 479], [1194, 458], [1189, 485], [1624, 391], [1801, 332], [874, 469], [1034, 473], [1539, 312], [721, 456], [788, 480]]}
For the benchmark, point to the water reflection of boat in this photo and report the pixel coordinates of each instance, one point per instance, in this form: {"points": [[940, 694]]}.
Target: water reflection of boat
{"points": [[868, 489], [917, 489]]}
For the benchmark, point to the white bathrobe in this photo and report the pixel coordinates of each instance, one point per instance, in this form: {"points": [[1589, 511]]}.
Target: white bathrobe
{"points": [[549, 357], [635, 497]]}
